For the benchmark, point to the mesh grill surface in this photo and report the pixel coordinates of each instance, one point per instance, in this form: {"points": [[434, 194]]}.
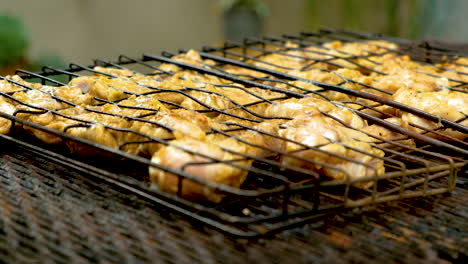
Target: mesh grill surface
{"points": [[51, 214]]}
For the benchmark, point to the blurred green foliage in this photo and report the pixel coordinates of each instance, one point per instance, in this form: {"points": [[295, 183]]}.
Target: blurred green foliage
{"points": [[392, 17], [52, 60], [14, 40], [14, 45], [49, 59], [413, 19]]}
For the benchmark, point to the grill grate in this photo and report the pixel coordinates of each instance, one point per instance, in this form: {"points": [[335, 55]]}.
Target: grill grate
{"points": [[276, 194]]}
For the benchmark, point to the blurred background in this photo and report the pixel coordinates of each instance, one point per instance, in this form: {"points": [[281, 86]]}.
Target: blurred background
{"points": [[56, 32]]}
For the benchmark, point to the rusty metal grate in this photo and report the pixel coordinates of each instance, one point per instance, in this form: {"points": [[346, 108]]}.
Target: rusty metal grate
{"points": [[276, 194]]}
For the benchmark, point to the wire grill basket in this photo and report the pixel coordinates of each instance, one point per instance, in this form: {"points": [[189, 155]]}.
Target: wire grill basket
{"points": [[282, 188]]}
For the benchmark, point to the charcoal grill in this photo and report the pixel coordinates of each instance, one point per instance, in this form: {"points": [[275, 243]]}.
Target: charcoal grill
{"points": [[275, 196]]}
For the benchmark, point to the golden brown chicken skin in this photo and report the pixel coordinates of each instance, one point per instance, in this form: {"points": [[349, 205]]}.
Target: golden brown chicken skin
{"points": [[180, 154], [108, 88], [166, 126], [8, 87], [7, 108], [321, 133], [446, 104]]}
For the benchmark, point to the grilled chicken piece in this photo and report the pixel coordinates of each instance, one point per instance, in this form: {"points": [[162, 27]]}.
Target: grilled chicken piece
{"points": [[30, 99], [167, 126], [264, 136], [263, 139], [114, 71], [406, 78], [308, 87], [315, 57], [393, 64], [223, 98], [339, 77], [203, 122], [211, 96], [7, 108], [312, 128], [403, 72], [38, 99], [84, 123], [170, 90], [354, 54], [8, 87], [338, 49], [94, 120], [173, 82], [180, 156], [283, 110], [458, 70], [375, 46], [349, 118], [260, 139], [41, 95], [107, 88], [292, 107], [326, 57], [243, 72], [149, 102], [289, 60], [189, 81], [446, 104], [134, 106], [192, 57], [319, 58], [197, 77], [72, 94], [456, 79], [312, 105], [98, 88], [387, 134], [328, 135], [96, 133], [159, 123]]}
